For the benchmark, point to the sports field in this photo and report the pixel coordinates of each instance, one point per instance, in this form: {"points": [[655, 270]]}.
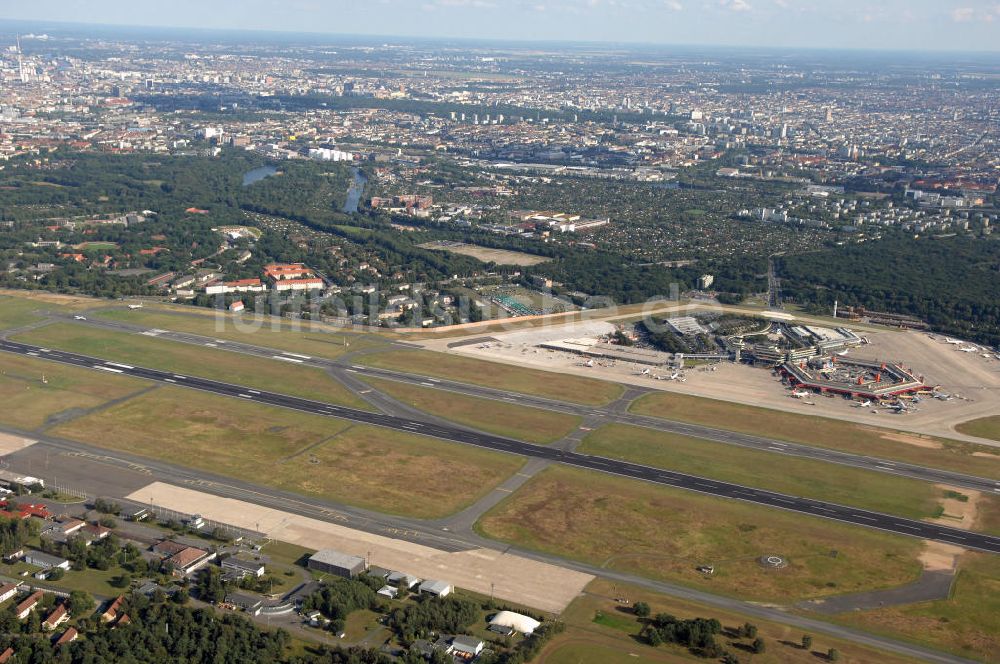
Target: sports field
{"points": [[486, 254], [33, 391], [666, 533], [504, 419], [775, 472], [967, 623], [199, 361], [576, 389], [369, 467], [824, 432], [271, 332]]}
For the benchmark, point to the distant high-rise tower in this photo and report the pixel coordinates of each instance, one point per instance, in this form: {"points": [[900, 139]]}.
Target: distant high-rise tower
{"points": [[829, 115]]}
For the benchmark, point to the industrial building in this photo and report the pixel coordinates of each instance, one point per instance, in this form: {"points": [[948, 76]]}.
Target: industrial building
{"points": [[435, 588], [339, 564]]}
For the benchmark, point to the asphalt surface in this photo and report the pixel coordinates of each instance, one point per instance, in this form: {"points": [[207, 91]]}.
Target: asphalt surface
{"points": [[833, 511], [608, 414]]}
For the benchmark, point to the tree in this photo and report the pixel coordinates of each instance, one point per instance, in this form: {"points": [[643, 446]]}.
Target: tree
{"points": [[749, 630], [833, 655], [80, 602], [122, 580], [758, 645], [56, 573], [641, 609], [807, 642]]}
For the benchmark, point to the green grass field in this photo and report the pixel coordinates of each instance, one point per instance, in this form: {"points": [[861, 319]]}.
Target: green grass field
{"points": [[984, 427], [370, 467], [28, 402], [823, 432], [271, 332], [200, 361], [967, 623], [563, 387], [504, 419], [775, 472], [590, 639], [665, 533]]}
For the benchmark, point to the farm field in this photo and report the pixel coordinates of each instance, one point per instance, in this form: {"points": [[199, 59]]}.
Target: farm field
{"points": [[576, 389], [775, 472], [824, 432], [184, 358], [665, 533], [365, 466], [33, 391], [504, 419]]}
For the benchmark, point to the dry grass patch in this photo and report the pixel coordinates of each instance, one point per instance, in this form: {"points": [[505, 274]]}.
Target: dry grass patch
{"points": [[822, 432], [370, 467], [589, 641], [967, 623], [563, 387], [504, 419], [665, 533], [177, 357], [28, 402], [270, 331], [766, 470]]}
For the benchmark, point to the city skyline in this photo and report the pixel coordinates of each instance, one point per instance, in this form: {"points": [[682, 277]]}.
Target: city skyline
{"points": [[921, 25]]}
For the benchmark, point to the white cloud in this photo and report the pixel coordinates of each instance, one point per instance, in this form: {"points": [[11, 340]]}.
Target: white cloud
{"points": [[962, 14], [735, 5]]}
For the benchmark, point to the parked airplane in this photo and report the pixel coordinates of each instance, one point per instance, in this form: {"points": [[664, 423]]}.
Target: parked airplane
{"points": [[967, 350], [644, 372], [864, 404], [80, 317], [135, 306], [800, 394], [954, 342]]}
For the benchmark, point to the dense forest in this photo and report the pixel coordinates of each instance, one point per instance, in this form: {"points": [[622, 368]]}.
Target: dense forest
{"points": [[950, 283], [164, 631]]}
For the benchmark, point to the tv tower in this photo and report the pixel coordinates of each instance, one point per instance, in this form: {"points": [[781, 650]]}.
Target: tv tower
{"points": [[20, 62]]}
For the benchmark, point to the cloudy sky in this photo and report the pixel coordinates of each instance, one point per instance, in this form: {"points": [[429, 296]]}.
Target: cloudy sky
{"points": [[894, 24]]}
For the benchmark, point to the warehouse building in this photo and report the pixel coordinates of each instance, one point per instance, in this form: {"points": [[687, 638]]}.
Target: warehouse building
{"points": [[340, 564]]}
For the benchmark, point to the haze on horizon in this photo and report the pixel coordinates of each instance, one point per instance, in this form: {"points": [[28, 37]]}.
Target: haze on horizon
{"points": [[934, 25]]}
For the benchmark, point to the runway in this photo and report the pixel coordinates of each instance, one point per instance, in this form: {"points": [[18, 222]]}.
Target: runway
{"points": [[769, 445], [869, 519]]}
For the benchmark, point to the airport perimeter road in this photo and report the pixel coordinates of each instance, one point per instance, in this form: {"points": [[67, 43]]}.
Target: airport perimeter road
{"points": [[769, 445], [818, 508]]}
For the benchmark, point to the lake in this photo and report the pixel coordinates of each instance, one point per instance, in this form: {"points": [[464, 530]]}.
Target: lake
{"points": [[258, 174]]}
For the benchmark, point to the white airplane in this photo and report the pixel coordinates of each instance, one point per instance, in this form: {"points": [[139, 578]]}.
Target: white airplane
{"points": [[967, 350], [135, 306], [80, 317], [800, 394], [864, 404], [644, 372], [675, 375], [588, 363], [953, 342]]}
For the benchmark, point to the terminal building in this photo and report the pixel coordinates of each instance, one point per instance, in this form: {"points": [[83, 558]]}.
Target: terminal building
{"points": [[859, 379]]}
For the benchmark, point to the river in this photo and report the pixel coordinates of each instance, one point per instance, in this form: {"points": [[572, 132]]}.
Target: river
{"points": [[355, 191]]}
